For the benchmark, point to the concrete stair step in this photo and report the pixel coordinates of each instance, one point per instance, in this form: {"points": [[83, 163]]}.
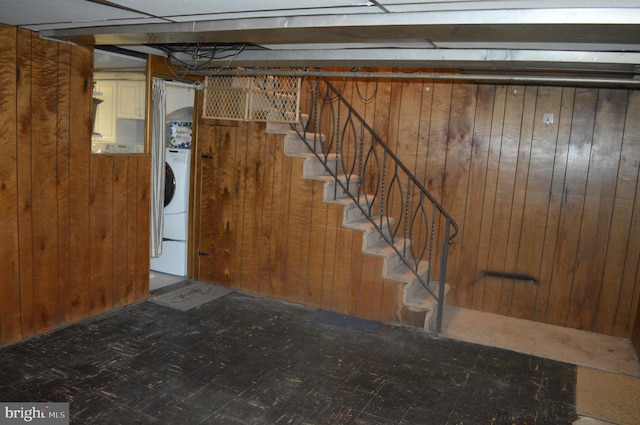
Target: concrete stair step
{"points": [[285, 128], [294, 145], [402, 273], [353, 209], [414, 295], [313, 167], [338, 187]]}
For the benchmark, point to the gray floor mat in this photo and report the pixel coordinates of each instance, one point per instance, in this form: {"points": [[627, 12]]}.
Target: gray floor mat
{"points": [[190, 296]]}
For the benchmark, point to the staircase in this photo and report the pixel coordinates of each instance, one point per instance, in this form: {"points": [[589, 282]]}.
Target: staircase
{"points": [[360, 173]]}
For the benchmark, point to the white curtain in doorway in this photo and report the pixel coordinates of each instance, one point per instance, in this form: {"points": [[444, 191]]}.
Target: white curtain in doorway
{"points": [[158, 101]]}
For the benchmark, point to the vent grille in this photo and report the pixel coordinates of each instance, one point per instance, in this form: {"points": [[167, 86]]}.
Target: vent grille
{"points": [[265, 98]]}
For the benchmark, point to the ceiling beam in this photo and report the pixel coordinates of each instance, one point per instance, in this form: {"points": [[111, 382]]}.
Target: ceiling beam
{"points": [[468, 59], [551, 25], [476, 78]]}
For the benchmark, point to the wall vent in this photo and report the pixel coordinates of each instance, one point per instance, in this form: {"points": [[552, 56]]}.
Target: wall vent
{"points": [[264, 98]]}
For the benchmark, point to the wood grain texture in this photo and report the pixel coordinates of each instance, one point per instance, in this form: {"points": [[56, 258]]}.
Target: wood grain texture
{"points": [[598, 208], [204, 188], [143, 227], [267, 217], [517, 207], [458, 164], [101, 232], [488, 200], [129, 289], [556, 200], [241, 180], [629, 292], [299, 229], [468, 274], [23, 142], [63, 184], [572, 205], [317, 244], [504, 197], [553, 205], [43, 171], [254, 194], [66, 216], [10, 316], [120, 223], [79, 157], [619, 245], [535, 209]]}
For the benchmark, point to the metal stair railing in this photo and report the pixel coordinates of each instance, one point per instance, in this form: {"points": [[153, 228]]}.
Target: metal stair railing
{"points": [[403, 211]]}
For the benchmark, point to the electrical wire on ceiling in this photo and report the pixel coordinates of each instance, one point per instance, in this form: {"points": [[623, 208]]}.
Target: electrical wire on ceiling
{"points": [[200, 59], [200, 55]]}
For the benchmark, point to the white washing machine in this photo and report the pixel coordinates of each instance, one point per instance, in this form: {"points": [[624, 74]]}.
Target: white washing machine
{"points": [[173, 259]]}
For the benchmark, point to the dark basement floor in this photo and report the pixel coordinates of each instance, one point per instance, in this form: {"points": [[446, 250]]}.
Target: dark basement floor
{"points": [[247, 360]]}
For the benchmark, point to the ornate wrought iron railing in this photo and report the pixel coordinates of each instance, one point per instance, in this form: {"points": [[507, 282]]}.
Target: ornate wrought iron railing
{"points": [[407, 216]]}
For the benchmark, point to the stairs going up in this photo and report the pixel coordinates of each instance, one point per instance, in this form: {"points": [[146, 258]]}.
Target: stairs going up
{"points": [[375, 238]]}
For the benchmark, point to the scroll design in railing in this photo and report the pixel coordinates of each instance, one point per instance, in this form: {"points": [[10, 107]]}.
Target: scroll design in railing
{"points": [[381, 186]]}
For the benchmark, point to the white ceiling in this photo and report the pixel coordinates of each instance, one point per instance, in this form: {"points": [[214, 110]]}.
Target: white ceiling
{"points": [[541, 37]]}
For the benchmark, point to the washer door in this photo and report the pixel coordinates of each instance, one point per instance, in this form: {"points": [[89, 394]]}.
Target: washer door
{"points": [[169, 184]]}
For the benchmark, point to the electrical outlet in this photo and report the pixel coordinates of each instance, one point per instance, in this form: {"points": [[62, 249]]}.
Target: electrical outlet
{"points": [[547, 118]]}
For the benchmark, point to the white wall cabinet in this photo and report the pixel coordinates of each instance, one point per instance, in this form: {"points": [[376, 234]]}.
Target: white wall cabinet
{"points": [[105, 123], [119, 123], [131, 100]]}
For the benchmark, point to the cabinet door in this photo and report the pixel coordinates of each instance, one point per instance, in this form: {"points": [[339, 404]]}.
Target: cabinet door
{"points": [[131, 100], [105, 124]]}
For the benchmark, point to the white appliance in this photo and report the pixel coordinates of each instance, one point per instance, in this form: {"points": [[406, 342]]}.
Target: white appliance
{"points": [[173, 259]]}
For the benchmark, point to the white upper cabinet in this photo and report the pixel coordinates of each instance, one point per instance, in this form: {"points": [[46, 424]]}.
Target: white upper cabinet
{"points": [[131, 100], [105, 121]]}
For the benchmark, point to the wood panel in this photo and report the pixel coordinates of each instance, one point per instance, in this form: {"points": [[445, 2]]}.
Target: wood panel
{"points": [[458, 163], [635, 335], [267, 216], [23, 142], [120, 222], [63, 183], [615, 292], [598, 208], [43, 200], [216, 157], [469, 239], [280, 234], [629, 294], [252, 181], [504, 197], [547, 212], [298, 231], [10, 320], [333, 229], [517, 208], [556, 200], [535, 210], [489, 197], [318, 240], [66, 216], [240, 171], [79, 173], [572, 205], [142, 233]]}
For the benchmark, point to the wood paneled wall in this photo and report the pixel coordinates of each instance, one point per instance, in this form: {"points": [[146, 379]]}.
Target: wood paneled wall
{"points": [[263, 229], [549, 213], [74, 226]]}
